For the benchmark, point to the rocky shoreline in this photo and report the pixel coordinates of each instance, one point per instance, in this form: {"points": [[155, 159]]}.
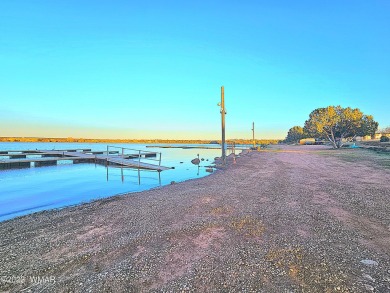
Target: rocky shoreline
{"points": [[288, 219]]}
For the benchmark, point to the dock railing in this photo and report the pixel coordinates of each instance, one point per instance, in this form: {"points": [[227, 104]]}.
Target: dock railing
{"points": [[144, 155]]}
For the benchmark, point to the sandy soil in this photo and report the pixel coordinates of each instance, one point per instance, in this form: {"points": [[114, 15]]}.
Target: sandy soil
{"points": [[288, 219]]}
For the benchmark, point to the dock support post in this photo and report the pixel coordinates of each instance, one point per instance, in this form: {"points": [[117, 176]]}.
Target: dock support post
{"points": [[107, 157]]}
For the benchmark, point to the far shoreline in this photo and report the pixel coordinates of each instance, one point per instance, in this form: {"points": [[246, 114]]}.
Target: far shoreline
{"points": [[134, 141]]}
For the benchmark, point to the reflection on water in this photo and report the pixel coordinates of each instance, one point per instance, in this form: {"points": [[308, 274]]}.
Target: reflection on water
{"points": [[131, 177], [28, 190]]}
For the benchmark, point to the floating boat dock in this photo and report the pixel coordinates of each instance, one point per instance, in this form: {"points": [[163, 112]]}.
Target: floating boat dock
{"points": [[116, 156]]}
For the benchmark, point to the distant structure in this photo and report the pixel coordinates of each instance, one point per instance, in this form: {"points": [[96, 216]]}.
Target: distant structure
{"points": [[307, 141]]}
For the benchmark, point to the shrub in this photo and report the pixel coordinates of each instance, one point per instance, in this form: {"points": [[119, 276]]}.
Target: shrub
{"points": [[384, 138]]}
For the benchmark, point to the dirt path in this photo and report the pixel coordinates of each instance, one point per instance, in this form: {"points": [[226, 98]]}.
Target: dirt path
{"points": [[291, 219]]}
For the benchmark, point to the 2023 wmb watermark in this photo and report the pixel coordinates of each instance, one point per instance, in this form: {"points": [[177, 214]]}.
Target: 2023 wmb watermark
{"points": [[32, 280]]}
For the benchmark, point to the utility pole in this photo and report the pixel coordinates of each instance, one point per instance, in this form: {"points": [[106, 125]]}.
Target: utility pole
{"points": [[253, 134], [223, 113]]}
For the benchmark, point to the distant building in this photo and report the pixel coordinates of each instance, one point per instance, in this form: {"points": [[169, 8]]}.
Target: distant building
{"points": [[378, 135], [307, 141]]}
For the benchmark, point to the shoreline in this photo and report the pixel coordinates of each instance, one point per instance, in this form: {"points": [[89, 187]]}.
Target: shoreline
{"points": [[109, 198], [69, 194], [216, 169], [274, 221]]}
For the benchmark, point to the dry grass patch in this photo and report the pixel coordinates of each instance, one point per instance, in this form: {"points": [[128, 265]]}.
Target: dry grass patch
{"points": [[290, 259], [248, 226], [310, 274], [221, 211]]}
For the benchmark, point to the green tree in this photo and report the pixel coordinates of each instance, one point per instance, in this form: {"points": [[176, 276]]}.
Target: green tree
{"points": [[295, 134], [337, 124]]}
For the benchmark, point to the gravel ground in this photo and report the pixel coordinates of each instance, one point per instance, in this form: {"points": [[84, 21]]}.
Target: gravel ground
{"points": [[287, 219]]}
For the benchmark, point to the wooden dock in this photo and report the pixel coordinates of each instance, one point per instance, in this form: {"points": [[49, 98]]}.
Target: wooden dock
{"points": [[121, 158]]}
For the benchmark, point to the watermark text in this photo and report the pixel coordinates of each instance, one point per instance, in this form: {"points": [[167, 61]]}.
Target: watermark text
{"points": [[33, 279]]}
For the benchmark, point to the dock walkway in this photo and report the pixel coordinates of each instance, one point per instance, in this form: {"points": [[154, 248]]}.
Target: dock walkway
{"points": [[23, 159]]}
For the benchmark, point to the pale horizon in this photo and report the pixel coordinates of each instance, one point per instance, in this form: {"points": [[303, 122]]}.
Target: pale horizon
{"points": [[17, 129]]}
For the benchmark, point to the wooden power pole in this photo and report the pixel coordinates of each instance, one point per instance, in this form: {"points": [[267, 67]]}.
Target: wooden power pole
{"points": [[223, 113], [253, 134]]}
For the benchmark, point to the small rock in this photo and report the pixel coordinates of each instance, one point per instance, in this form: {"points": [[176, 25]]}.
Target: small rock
{"points": [[210, 170], [369, 278], [173, 182], [369, 287], [369, 262], [195, 161]]}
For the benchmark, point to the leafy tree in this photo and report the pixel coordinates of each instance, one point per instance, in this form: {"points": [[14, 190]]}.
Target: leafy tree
{"points": [[295, 134], [336, 124], [368, 126]]}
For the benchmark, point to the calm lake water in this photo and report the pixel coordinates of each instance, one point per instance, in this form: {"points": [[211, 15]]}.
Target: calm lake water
{"points": [[24, 191]]}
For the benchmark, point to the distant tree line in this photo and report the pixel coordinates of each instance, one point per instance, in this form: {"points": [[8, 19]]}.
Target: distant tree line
{"points": [[385, 130], [334, 124], [91, 140]]}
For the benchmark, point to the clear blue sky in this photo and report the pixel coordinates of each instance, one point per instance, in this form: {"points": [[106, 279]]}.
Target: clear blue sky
{"points": [[153, 69]]}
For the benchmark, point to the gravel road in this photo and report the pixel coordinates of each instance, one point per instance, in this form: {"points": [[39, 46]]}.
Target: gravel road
{"points": [[285, 219]]}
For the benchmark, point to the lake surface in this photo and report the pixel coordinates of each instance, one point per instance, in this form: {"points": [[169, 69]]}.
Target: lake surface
{"points": [[28, 190]]}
